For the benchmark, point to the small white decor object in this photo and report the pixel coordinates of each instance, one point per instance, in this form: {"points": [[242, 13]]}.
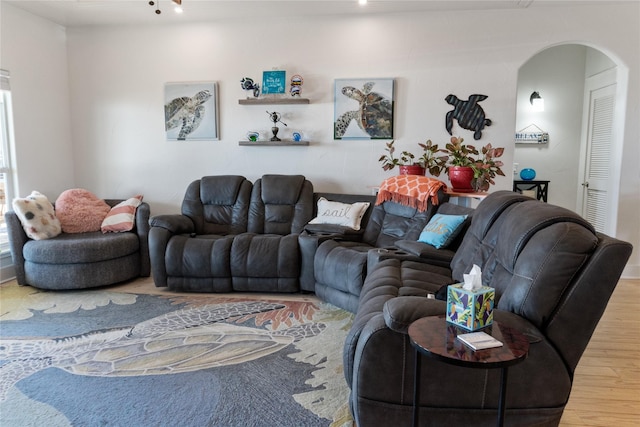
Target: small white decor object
{"points": [[479, 340], [473, 280], [531, 134]]}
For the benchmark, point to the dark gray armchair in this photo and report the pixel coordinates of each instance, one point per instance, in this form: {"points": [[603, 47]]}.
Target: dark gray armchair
{"points": [[190, 251], [80, 260]]}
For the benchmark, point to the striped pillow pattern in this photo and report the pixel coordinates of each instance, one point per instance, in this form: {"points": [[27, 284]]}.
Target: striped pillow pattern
{"points": [[122, 216]]}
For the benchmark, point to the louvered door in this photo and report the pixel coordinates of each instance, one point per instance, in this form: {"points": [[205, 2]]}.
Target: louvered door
{"points": [[597, 171]]}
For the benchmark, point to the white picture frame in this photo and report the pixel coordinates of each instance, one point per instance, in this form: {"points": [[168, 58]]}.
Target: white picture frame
{"points": [[372, 97], [191, 111]]}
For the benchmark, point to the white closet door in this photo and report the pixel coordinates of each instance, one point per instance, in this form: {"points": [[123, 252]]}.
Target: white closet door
{"points": [[597, 169]]}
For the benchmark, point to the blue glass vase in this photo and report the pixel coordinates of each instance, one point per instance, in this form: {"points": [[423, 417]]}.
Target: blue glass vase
{"points": [[527, 174]]}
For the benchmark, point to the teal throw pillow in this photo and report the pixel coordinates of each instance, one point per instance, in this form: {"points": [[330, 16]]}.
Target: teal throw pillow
{"points": [[441, 230]]}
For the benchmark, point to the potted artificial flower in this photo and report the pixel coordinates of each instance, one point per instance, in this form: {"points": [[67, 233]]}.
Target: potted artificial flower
{"points": [[466, 172], [486, 168], [409, 163], [460, 164]]}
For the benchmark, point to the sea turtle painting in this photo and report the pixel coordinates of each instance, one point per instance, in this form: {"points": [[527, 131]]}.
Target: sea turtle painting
{"points": [[185, 340], [374, 113], [469, 114], [186, 112]]}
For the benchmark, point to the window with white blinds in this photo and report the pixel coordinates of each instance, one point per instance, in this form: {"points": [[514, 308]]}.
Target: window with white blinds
{"points": [[7, 171]]}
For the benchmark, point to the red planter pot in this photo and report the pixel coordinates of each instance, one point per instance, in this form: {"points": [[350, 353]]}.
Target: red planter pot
{"points": [[461, 177], [411, 170]]}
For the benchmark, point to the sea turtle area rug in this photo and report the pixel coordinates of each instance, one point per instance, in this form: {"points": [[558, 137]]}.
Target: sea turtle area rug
{"points": [[112, 357]]}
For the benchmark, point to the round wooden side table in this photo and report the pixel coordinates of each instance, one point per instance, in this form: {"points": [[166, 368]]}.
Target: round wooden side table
{"points": [[435, 338]]}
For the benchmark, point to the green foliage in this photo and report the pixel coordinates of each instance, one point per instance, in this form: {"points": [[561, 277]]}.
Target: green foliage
{"points": [[487, 167], [426, 159], [456, 153]]}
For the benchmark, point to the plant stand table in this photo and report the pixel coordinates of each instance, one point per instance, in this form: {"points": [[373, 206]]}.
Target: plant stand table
{"points": [[540, 187], [465, 198], [435, 338]]}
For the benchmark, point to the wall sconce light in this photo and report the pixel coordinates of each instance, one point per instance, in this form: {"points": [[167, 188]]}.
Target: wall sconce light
{"points": [[537, 102], [156, 3]]}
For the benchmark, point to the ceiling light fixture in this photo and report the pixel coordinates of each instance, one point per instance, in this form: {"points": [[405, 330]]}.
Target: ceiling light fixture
{"points": [[536, 101], [156, 3], [362, 2]]}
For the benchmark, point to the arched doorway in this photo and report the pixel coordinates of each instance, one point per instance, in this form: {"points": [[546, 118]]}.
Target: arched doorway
{"points": [[567, 77]]}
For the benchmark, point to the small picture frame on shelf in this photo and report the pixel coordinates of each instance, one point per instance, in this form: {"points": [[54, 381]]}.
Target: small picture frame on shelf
{"points": [[273, 82]]}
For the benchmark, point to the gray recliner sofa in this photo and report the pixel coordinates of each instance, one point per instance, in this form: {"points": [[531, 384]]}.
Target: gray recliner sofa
{"points": [[233, 235], [340, 265], [80, 260], [553, 275]]}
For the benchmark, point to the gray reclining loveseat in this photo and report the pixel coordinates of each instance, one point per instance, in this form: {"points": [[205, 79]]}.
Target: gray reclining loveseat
{"points": [[553, 276], [233, 235]]}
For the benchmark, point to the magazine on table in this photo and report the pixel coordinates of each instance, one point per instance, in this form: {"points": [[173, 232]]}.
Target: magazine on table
{"points": [[479, 340]]}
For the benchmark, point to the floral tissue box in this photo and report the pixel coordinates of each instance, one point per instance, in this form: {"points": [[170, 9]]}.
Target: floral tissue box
{"points": [[471, 310]]}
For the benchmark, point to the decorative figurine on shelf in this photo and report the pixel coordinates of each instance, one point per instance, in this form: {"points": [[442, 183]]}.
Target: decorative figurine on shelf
{"points": [[296, 85], [248, 84], [469, 114], [297, 136], [275, 118]]}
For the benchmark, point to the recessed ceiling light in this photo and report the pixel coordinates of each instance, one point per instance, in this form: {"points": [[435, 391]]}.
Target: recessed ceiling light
{"points": [[362, 2]]}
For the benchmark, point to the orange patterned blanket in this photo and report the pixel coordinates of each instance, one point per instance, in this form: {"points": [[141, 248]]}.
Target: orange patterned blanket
{"points": [[410, 190]]}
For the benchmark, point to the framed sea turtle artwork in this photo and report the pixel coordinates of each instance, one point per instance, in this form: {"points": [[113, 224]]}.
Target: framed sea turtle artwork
{"points": [[191, 111], [363, 108]]}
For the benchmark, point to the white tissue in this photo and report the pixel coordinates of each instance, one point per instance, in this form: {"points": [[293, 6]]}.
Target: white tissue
{"points": [[473, 280]]}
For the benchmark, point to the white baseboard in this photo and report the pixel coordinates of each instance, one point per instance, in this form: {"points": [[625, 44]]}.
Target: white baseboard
{"points": [[631, 272]]}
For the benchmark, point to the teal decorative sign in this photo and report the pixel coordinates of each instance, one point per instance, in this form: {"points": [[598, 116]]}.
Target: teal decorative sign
{"points": [[273, 81]]}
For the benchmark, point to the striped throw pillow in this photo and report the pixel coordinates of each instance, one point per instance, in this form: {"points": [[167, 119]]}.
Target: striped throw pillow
{"points": [[122, 216]]}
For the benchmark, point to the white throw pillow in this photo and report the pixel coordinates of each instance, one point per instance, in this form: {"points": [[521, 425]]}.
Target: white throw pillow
{"points": [[337, 213], [37, 216]]}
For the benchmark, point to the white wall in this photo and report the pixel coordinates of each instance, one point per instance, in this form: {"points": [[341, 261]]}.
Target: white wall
{"points": [[558, 75], [117, 75], [34, 50], [113, 96]]}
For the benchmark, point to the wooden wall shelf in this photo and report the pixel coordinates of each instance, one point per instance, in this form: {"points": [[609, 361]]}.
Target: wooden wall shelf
{"points": [[270, 101], [273, 143]]}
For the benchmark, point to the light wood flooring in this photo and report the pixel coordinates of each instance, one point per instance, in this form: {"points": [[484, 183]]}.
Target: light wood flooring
{"points": [[606, 386]]}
